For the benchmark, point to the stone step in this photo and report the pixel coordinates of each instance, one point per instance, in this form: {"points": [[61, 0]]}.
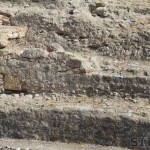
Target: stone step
{"points": [[39, 71], [123, 34], [128, 42], [104, 121], [11, 144]]}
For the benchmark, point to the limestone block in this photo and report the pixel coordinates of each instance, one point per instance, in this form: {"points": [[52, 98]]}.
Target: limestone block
{"points": [[12, 83]]}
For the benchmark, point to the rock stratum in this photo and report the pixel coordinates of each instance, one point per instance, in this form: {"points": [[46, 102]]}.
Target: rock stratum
{"points": [[86, 50]]}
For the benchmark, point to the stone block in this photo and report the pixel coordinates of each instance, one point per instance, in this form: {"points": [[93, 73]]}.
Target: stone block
{"points": [[34, 53], [12, 83]]}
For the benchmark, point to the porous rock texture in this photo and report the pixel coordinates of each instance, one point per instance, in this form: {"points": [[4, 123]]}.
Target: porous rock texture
{"points": [[59, 49], [70, 47]]}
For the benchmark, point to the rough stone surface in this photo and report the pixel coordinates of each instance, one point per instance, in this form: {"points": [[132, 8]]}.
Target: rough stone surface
{"points": [[123, 34], [101, 11], [81, 120], [34, 54], [12, 83], [51, 50], [71, 50], [62, 72], [54, 47], [9, 33], [4, 20]]}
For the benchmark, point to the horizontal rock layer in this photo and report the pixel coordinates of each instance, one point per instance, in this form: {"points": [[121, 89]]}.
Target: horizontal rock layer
{"points": [[116, 30], [100, 120], [37, 71], [35, 45]]}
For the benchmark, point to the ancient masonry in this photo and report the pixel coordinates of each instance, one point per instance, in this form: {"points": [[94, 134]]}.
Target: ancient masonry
{"points": [[75, 70]]}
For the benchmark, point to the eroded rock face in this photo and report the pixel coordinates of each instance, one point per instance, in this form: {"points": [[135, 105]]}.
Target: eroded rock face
{"points": [[12, 83], [70, 74], [75, 47], [109, 28], [34, 54], [54, 47], [9, 33], [101, 11], [4, 20], [74, 63]]}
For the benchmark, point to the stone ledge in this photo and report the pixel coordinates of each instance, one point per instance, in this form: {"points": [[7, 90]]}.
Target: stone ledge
{"points": [[101, 120]]}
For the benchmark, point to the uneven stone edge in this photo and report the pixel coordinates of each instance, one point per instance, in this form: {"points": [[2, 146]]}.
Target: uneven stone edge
{"points": [[57, 73]]}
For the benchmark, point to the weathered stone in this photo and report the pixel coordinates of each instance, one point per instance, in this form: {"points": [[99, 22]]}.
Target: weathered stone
{"points": [[119, 33], [13, 35], [3, 43], [54, 47], [94, 62], [4, 70], [21, 31], [10, 32], [4, 20], [92, 7], [86, 69], [76, 12], [3, 40], [16, 32], [66, 28], [101, 11], [53, 12], [34, 53], [79, 35], [74, 63], [12, 83], [5, 13], [101, 3], [4, 53]]}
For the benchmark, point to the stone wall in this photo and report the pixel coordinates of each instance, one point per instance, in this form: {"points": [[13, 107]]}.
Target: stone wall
{"points": [[59, 49], [37, 71], [108, 28], [71, 126]]}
